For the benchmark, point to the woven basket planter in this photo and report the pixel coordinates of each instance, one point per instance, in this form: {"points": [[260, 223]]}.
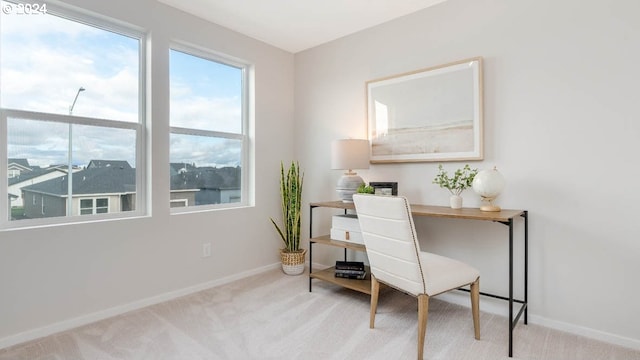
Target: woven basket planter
{"points": [[292, 262]]}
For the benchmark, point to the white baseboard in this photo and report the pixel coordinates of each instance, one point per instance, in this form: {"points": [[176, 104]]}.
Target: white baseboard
{"points": [[121, 309], [501, 307], [586, 332], [489, 305]]}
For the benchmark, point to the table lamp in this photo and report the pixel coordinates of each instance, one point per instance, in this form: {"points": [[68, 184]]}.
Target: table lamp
{"points": [[488, 184], [349, 154]]}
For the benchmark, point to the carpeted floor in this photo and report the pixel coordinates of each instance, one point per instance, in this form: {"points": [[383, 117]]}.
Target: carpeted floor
{"points": [[273, 316]]}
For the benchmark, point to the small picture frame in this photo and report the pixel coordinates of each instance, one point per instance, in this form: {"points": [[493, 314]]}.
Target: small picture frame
{"points": [[385, 188]]}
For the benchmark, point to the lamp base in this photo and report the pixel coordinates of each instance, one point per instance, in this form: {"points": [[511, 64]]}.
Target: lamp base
{"points": [[348, 185], [489, 206], [494, 208]]}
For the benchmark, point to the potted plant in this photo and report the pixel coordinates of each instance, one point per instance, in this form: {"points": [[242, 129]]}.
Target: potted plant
{"points": [[291, 255], [365, 189], [461, 179]]}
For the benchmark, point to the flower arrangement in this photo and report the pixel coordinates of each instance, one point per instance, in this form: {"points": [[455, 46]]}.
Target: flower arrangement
{"points": [[461, 179]]}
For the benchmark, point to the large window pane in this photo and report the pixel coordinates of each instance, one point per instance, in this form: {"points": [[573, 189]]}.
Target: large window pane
{"points": [[103, 163], [70, 98], [46, 59], [208, 131], [205, 94], [210, 175]]}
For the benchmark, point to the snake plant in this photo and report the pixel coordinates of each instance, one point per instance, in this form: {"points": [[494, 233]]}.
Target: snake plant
{"points": [[291, 196]]}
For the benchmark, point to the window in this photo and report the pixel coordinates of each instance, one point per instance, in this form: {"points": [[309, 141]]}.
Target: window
{"points": [[71, 111], [208, 149], [86, 206], [179, 203], [102, 206], [94, 206]]}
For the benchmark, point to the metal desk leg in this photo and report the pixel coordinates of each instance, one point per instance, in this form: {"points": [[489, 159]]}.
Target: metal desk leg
{"points": [[310, 244], [310, 263], [526, 264], [510, 287]]}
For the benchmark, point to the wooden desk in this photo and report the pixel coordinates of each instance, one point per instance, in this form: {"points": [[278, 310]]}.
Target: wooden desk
{"points": [[505, 217]]}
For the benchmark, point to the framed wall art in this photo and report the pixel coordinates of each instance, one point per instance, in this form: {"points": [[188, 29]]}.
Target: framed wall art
{"points": [[385, 188], [432, 114]]}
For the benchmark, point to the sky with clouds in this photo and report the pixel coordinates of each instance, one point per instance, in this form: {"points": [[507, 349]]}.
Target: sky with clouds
{"points": [[45, 59]]}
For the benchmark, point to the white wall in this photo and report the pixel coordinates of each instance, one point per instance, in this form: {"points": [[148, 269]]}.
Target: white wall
{"points": [[55, 277], [562, 123]]}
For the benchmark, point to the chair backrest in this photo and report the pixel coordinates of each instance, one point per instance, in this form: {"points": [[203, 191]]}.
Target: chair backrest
{"points": [[390, 237]]}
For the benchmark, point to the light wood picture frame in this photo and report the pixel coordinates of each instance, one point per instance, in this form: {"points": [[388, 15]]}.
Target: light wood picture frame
{"points": [[432, 114]]}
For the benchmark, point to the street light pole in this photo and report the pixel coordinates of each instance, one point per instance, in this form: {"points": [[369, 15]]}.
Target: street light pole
{"points": [[74, 100], [70, 158]]}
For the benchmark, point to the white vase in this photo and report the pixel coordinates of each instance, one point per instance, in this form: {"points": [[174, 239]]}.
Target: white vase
{"points": [[455, 201]]}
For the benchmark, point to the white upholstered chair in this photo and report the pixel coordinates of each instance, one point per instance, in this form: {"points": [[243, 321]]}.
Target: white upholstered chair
{"points": [[395, 259]]}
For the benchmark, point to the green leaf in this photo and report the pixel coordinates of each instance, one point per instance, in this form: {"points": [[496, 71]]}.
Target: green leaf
{"points": [[291, 202]]}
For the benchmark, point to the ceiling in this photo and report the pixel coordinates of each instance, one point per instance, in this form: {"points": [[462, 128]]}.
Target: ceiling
{"points": [[296, 25]]}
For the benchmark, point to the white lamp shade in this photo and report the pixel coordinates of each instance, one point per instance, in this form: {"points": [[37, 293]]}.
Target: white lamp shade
{"points": [[347, 154]]}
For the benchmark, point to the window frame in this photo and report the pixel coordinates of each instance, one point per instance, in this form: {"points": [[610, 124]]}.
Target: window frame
{"points": [[81, 208], [247, 166], [111, 25], [94, 205], [97, 208]]}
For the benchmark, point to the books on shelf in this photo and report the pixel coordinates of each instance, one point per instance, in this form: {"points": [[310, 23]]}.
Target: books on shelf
{"points": [[350, 270], [349, 265], [356, 277]]}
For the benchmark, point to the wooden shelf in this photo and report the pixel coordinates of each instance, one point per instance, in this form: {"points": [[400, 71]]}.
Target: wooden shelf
{"points": [[437, 211], [334, 205], [327, 240], [328, 275]]}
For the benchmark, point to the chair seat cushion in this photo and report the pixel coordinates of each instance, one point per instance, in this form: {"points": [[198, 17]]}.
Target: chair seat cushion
{"points": [[444, 274]]}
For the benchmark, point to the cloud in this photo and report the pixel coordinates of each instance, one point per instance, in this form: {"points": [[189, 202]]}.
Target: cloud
{"points": [[215, 114], [205, 151], [46, 59]]}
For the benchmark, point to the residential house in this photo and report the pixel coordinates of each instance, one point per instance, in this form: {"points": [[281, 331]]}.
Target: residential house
{"points": [[95, 190], [16, 167], [205, 185], [31, 177]]}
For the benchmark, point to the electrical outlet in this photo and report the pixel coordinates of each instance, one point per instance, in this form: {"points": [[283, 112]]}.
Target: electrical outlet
{"points": [[206, 249]]}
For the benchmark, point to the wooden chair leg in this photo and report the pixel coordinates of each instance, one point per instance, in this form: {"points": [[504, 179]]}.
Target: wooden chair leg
{"points": [[375, 289], [423, 311], [475, 307]]}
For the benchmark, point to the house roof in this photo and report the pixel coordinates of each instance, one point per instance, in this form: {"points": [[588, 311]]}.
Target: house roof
{"points": [[105, 180], [118, 177], [30, 175], [108, 163], [207, 178], [175, 168], [20, 162]]}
